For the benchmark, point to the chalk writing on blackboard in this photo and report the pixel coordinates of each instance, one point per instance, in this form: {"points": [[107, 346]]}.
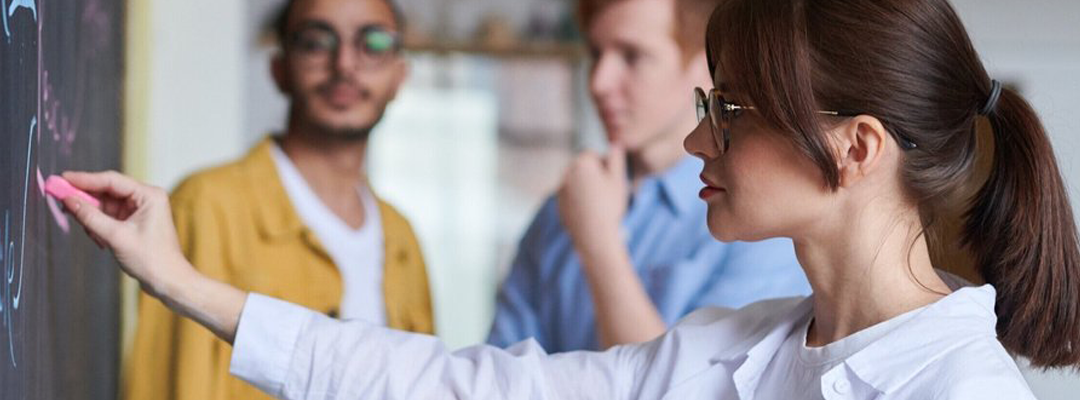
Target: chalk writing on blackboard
{"points": [[12, 279], [9, 10], [7, 260], [60, 126]]}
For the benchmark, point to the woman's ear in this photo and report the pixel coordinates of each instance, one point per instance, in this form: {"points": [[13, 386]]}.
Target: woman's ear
{"points": [[861, 144]]}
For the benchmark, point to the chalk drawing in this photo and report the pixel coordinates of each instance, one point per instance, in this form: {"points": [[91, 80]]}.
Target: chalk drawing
{"points": [[26, 198], [3, 264], [9, 259], [58, 122], [9, 10], [12, 290]]}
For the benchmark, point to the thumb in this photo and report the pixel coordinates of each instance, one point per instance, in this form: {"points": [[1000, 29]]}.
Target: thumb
{"points": [[616, 160], [92, 218]]}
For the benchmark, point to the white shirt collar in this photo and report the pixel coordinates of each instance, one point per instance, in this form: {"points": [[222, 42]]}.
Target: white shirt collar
{"points": [[888, 363]]}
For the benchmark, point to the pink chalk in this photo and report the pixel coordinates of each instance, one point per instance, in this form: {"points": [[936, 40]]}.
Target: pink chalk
{"points": [[61, 189], [40, 182], [58, 215]]}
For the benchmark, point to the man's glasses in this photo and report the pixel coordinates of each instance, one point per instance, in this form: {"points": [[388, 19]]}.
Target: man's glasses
{"points": [[316, 44], [721, 112]]}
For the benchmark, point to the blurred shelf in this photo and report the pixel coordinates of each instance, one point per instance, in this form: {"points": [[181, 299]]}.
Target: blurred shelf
{"points": [[570, 51]]}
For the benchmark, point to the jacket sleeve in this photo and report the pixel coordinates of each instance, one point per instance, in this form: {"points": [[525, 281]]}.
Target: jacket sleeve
{"points": [[294, 353], [405, 280], [149, 372]]}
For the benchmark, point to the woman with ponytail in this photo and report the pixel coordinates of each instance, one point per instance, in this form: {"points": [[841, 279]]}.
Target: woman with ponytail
{"points": [[842, 124]]}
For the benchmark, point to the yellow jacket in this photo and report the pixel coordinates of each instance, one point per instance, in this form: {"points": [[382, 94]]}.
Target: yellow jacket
{"points": [[236, 224]]}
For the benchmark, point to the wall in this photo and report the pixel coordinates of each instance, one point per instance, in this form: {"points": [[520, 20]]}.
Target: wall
{"points": [[195, 104]]}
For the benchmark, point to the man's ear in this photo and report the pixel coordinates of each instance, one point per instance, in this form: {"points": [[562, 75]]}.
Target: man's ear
{"points": [[279, 71], [861, 145]]}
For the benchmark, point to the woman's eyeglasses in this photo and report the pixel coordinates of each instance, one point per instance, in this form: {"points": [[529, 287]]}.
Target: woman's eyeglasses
{"points": [[721, 112], [315, 44]]}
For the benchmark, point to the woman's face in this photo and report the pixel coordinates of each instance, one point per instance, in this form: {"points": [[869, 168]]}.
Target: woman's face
{"points": [[763, 186]]}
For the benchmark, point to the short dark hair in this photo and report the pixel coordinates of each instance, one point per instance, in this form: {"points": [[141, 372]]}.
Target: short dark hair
{"points": [[281, 19]]}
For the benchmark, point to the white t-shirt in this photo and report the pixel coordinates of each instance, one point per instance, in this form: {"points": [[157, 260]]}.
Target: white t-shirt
{"points": [[796, 370], [358, 253]]}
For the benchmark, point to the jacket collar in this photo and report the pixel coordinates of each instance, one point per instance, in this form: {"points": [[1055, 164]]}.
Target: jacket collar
{"points": [[275, 215]]}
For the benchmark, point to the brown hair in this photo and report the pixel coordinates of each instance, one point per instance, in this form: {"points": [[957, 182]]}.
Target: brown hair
{"points": [[911, 64], [688, 28]]}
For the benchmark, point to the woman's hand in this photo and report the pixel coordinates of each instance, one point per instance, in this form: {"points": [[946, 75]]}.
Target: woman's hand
{"points": [[135, 222]]}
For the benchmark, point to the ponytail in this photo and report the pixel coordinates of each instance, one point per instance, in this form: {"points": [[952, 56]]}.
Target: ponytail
{"points": [[918, 73], [1021, 230]]}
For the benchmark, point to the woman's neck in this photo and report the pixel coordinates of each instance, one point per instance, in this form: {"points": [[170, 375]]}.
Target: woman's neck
{"points": [[865, 271]]}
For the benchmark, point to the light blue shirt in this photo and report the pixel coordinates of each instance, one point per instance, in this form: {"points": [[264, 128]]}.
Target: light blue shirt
{"points": [[681, 266]]}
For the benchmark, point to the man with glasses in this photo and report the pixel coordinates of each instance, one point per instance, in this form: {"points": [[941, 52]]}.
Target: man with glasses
{"points": [[622, 251], [296, 218]]}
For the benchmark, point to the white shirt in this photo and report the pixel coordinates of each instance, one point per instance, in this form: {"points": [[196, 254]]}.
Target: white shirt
{"points": [[949, 350], [358, 253], [795, 371]]}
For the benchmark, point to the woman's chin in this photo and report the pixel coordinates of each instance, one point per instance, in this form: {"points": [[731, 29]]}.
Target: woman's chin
{"points": [[724, 235], [728, 234]]}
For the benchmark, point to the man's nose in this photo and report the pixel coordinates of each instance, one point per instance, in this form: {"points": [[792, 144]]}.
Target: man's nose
{"points": [[345, 59]]}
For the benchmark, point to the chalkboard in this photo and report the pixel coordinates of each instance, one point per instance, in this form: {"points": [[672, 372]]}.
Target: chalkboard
{"points": [[60, 84]]}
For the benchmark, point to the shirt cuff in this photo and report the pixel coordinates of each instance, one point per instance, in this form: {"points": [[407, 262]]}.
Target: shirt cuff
{"points": [[265, 340]]}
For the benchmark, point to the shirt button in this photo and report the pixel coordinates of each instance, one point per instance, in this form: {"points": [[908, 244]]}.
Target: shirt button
{"points": [[841, 386]]}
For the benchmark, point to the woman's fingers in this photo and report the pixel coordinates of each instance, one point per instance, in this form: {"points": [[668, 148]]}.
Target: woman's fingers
{"points": [[96, 222], [97, 240], [111, 208], [110, 183]]}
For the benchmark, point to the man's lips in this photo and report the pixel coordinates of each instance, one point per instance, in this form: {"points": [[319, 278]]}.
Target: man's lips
{"points": [[341, 95]]}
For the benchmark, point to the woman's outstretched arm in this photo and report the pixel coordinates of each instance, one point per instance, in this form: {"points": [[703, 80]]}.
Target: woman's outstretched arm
{"points": [[295, 353], [135, 222]]}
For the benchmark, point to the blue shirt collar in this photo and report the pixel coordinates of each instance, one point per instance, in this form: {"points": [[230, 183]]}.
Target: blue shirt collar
{"points": [[679, 185]]}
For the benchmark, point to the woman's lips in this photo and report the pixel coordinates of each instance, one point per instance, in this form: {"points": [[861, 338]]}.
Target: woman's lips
{"points": [[711, 188], [708, 192]]}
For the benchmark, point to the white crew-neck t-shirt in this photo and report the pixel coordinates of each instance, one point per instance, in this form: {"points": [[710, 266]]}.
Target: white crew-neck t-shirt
{"points": [[358, 253], [795, 371]]}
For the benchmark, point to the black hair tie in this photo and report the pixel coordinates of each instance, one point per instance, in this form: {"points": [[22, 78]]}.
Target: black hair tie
{"points": [[991, 103]]}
